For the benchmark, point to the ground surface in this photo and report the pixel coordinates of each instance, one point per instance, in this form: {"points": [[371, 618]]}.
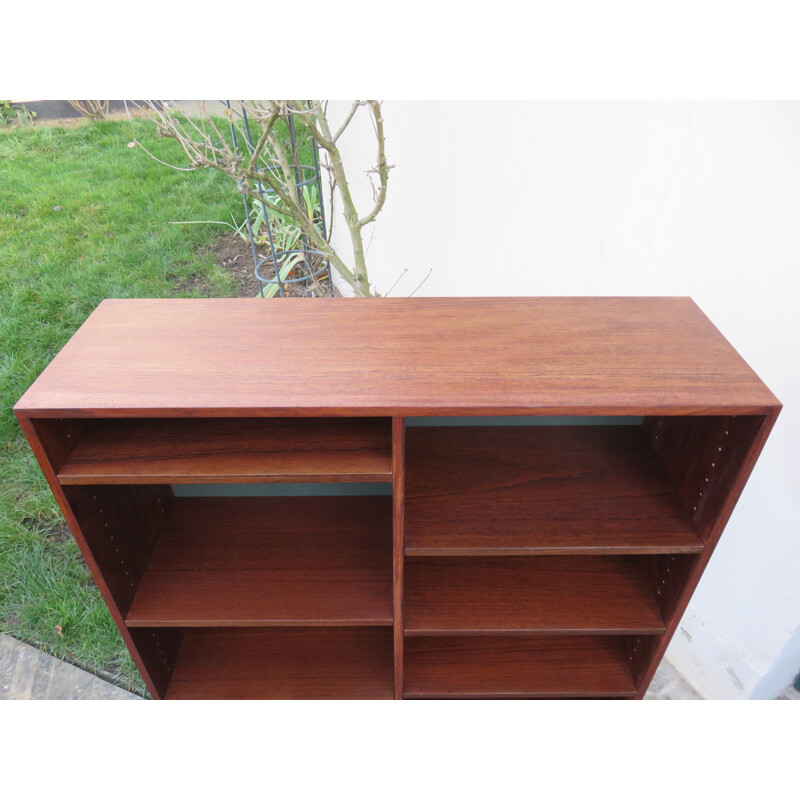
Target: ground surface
{"points": [[27, 673]]}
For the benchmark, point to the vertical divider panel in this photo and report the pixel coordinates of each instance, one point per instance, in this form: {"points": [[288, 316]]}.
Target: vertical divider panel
{"points": [[398, 540]]}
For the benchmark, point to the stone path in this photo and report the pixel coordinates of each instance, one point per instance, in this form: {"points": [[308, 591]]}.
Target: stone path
{"points": [[29, 674], [668, 684]]}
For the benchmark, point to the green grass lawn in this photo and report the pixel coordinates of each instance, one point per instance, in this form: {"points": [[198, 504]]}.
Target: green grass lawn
{"points": [[82, 217]]}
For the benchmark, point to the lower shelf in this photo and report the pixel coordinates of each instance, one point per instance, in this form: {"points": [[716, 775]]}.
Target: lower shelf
{"points": [[284, 664], [516, 667]]}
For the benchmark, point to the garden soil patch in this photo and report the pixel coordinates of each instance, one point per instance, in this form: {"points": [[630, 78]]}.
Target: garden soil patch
{"points": [[234, 254]]}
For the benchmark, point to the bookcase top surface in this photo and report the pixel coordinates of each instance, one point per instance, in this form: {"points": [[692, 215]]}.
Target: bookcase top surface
{"points": [[402, 356]]}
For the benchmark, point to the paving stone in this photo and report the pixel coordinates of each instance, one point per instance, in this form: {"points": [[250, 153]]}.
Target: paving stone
{"points": [[29, 674], [668, 684]]}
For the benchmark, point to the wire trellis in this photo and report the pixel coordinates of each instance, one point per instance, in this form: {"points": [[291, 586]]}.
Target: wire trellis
{"points": [[315, 266]]}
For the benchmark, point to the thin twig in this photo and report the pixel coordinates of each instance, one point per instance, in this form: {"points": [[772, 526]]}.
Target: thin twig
{"points": [[171, 166], [397, 281], [423, 281]]}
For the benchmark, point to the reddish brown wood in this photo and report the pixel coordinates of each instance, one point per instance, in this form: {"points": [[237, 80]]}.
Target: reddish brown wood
{"points": [[746, 437], [284, 664], [270, 560], [702, 456], [150, 393], [569, 594], [230, 451], [517, 666], [49, 444], [541, 490], [58, 437], [398, 556], [121, 526], [398, 357], [159, 649]]}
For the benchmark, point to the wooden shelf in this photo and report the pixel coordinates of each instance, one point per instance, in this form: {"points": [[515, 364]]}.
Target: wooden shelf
{"points": [[230, 451], [284, 664], [516, 666], [269, 561], [540, 490], [569, 594]]}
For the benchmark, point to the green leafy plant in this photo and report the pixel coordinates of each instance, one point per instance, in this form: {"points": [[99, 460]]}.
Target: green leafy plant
{"points": [[14, 113], [286, 234]]}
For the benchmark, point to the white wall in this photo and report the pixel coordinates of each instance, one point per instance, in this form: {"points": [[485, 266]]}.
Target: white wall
{"points": [[699, 199]]}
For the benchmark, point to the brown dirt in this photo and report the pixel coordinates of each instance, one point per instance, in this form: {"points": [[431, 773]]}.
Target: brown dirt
{"points": [[234, 254]]}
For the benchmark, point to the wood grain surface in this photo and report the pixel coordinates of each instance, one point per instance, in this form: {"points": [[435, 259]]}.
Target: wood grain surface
{"points": [[397, 356], [230, 451], [569, 594], [269, 560], [284, 664], [543, 490], [516, 666]]}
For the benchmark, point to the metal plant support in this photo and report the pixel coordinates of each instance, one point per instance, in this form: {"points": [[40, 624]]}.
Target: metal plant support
{"points": [[315, 265]]}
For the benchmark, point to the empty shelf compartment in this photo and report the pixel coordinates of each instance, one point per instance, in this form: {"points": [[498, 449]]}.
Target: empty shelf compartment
{"points": [[228, 561], [540, 490], [516, 667], [555, 594], [284, 664], [229, 451]]}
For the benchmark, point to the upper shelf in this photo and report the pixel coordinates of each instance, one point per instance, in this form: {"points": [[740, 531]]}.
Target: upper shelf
{"points": [[230, 451], [397, 356], [540, 491]]}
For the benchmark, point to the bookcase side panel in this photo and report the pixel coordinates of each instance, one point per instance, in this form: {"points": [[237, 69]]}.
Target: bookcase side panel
{"points": [[709, 459], [46, 439]]}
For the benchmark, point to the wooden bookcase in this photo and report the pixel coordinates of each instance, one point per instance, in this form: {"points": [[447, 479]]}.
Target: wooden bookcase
{"points": [[419, 498]]}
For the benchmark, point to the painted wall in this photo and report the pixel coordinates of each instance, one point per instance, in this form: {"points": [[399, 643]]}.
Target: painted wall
{"points": [[699, 199]]}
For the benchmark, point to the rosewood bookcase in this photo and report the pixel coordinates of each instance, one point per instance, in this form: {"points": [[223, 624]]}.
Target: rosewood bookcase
{"points": [[397, 498]]}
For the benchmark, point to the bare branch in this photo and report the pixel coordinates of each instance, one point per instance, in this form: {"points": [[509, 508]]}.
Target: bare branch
{"points": [[262, 140], [347, 120], [382, 169], [275, 186]]}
